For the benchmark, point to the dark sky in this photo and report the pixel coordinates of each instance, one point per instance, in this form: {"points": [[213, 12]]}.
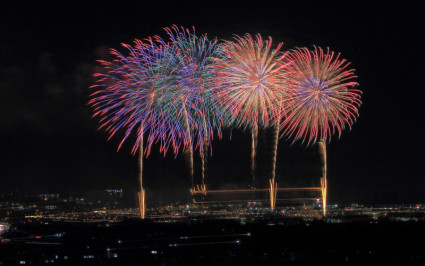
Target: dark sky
{"points": [[49, 143]]}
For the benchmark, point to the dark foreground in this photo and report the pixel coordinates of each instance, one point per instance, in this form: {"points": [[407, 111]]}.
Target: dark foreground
{"points": [[214, 242]]}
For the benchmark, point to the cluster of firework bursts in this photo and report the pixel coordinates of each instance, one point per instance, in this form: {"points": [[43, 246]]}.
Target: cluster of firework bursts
{"points": [[180, 91]]}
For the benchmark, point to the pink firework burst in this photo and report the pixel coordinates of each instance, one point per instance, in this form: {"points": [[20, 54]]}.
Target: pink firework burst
{"points": [[325, 100]]}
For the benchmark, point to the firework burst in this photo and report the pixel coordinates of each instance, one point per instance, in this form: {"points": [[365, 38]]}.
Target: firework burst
{"points": [[254, 81], [188, 87], [161, 88], [188, 90], [325, 100], [126, 97], [254, 84]]}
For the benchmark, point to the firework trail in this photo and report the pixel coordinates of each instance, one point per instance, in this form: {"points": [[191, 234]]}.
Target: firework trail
{"points": [[204, 155], [204, 163], [322, 151], [142, 204], [254, 81], [254, 144], [323, 179], [276, 142], [189, 147], [325, 101], [285, 104]]}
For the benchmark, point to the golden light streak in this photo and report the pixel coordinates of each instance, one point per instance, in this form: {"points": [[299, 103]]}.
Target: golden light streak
{"points": [[142, 204], [273, 193], [259, 200], [253, 152], [198, 190], [324, 184], [323, 180]]}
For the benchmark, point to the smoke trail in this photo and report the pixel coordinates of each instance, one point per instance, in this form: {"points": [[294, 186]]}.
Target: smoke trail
{"points": [[204, 156], [189, 148], [253, 152], [276, 142], [141, 160], [322, 151], [189, 154]]}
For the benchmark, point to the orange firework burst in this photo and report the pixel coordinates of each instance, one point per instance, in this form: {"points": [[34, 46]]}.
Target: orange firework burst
{"points": [[253, 79], [325, 100]]}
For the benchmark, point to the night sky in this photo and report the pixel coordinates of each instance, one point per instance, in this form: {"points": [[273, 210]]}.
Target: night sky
{"points": [[49, 143]]}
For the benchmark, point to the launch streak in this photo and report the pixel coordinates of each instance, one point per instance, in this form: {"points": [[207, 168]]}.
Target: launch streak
{"points": [[196, 192]]}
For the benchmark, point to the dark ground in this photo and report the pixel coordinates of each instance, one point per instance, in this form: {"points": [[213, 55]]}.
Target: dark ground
{"points": [[269, 241]]}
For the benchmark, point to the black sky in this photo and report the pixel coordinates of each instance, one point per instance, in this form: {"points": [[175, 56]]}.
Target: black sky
{"points": [[49, 143]]}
